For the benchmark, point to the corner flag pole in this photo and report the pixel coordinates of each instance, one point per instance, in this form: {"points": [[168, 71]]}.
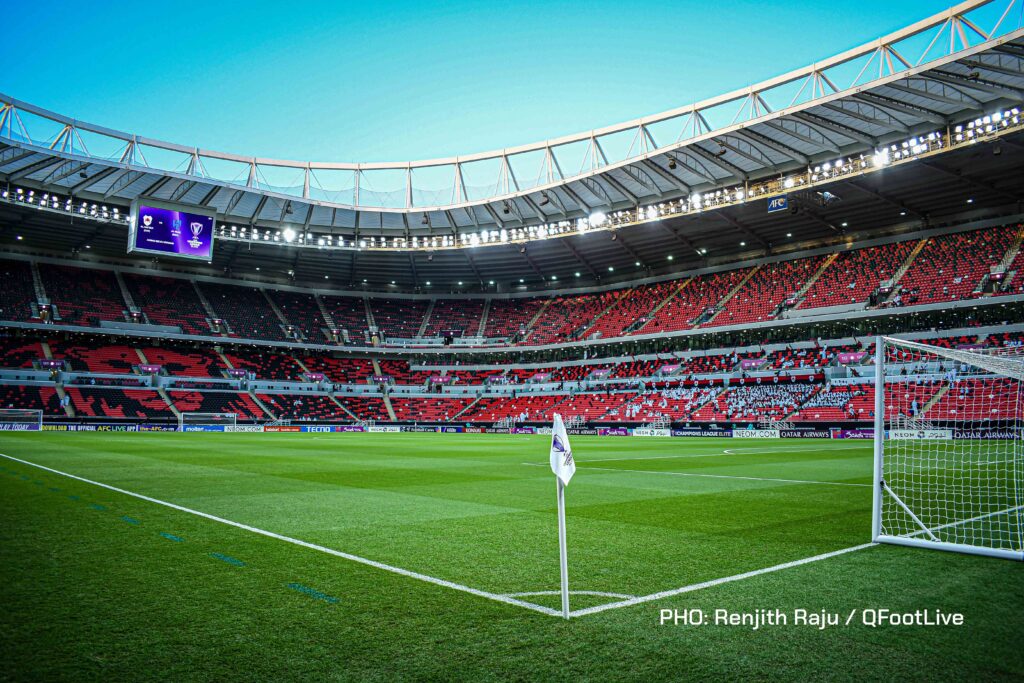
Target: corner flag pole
{"points": [[564, 467], [562, 555]]}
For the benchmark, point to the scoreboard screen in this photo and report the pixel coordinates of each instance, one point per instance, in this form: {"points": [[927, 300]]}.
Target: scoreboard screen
{"points": [[167, 229]]}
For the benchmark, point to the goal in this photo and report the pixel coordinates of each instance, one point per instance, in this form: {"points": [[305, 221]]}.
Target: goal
{"points": [[17, 419], [200, 420], [949, 472]]}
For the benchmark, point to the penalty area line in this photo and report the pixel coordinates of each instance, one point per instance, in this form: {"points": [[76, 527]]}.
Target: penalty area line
{"points": [[716, 582], [710, 476], [312, 546]]}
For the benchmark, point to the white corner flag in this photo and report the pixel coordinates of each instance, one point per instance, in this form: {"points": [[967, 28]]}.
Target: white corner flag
{"points": [[561, 453], [564, 467]]}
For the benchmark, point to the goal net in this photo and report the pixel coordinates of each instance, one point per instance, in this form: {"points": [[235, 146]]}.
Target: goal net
{"points": [[949, 472], [197, 420], [17, 419]]}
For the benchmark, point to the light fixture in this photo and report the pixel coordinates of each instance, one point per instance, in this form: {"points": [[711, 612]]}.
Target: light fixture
{"points": [[289, 235]]}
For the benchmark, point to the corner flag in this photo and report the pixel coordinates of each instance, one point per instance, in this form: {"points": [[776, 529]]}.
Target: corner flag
{"points": [[561, 453], [563, 466]]}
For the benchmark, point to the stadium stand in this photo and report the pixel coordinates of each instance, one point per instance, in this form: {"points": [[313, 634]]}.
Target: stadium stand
{"points": [[855, 274], [460, 317], [511, 317], [185, 362], [17, 295], [30, 397], [246, 311], [266, 365], [399, 318], [83, 296], [302, 311], [168, 301]]}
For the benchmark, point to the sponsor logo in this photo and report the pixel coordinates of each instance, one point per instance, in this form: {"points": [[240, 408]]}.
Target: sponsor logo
{"points": [[920, 434], [157, 428], [450, 430], [117, 428], [648, 431], [804, 434], [612, 431], [778, 204], [18, 427], [853, 433], [203, 428], [702, 432], [282, 428], [1002, 434], [197, 230], [384, 428], [558, 447], [319, 429], [243, 428], [755, 433]]}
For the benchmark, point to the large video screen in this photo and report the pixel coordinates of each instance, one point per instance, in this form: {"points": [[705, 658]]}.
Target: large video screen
{"points": [[171, 230]]}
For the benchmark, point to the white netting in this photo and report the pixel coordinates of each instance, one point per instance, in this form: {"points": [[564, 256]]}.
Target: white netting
{"points": [[21, 416], [951, 457], [226, 419]]}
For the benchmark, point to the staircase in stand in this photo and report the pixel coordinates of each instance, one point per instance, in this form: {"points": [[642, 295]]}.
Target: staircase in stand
{"points": [[720, 306], [261, 404], [934, 399], [814, 278], [533, 321], [467, 408], [905, 266], [208, 309], [275, 308], [126, 295], [170, 404], [426, 319], [483, 318], [346, 410], [618, 297], [37, 282], [654, 311], [323, 311]]}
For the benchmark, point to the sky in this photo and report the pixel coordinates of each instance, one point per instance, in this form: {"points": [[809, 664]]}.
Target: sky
{"points": [[397, 81]]}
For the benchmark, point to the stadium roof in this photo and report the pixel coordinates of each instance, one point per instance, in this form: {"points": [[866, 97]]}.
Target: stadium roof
{"points": [[661, 173]]}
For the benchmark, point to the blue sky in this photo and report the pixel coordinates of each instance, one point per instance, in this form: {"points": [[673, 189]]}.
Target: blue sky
{"points": [[391, 81]]}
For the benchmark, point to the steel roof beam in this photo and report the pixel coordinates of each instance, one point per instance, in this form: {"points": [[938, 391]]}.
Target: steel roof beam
{"points": [[823, 124]]}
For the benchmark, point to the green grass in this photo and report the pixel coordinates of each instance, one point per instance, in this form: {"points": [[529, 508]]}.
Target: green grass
{"points": [[98, 585]]}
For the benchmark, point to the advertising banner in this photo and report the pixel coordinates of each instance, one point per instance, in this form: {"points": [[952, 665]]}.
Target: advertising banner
{"points": [[690, 431], [19, 427], [755, 434], [523, 430], [243, 428], [282, 428], [804, 434], [847, 357], [852, 433], [205, 428], [383, 428], [920, 434], [648, 431], [612, 431]]}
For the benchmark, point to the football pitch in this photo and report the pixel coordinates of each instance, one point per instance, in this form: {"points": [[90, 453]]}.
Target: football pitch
{"points": [[399, 556]]}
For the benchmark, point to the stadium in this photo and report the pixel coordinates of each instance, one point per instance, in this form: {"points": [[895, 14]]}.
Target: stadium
{"points": [[272, 419]]}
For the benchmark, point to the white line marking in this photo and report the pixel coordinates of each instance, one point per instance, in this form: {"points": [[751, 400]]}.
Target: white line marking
{"points": [[716, 582], [727, 451], [597, 593], [312, 546], [712, 476]]}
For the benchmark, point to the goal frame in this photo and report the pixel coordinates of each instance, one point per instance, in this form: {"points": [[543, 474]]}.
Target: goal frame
{"points": [[38, 422], [925, 538], [221, 422]]}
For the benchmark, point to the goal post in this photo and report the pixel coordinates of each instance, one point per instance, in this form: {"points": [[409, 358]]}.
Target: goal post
{"points": [[948, 468], [21, 419], [186, 420]]}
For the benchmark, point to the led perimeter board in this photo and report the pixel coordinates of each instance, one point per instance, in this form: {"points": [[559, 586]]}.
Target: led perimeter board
{"points": [[166, 229]]}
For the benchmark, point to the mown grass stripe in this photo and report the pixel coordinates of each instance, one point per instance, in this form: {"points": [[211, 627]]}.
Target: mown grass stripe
{"points": [[313, 593], [227, 558]]}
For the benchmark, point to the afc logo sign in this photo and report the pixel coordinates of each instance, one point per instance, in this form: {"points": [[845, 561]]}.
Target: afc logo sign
{"points": [[778, 204]]}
